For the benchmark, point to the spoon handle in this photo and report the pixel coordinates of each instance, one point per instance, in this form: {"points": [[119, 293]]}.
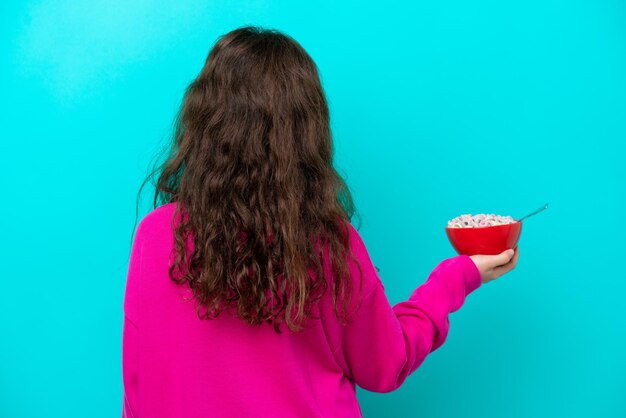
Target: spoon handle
{"points": [[534, 213]]}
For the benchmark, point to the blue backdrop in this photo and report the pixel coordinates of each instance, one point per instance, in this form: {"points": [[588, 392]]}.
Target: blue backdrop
{"points": [[437, 108]]}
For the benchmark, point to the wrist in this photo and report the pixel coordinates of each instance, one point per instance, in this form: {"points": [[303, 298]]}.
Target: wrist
{"points": [[471, 273]]}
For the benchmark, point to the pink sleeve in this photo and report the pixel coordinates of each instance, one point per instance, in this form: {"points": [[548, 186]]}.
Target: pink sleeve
{"points": [[383, 345], [130, 331]]}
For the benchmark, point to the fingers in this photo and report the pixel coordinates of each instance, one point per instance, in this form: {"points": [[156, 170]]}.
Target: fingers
{"points": [[499, 271], [505, 268], [515, 256], [501, 259]]}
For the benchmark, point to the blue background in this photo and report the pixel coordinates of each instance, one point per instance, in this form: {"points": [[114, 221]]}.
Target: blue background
{"points": [[437, 108]]}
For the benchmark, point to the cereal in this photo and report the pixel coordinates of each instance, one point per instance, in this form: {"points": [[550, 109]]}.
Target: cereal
{"points": [[477, 221]]}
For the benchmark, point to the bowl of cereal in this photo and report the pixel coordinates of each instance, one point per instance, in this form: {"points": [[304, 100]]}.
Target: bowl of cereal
{"points": [[488, 234]]}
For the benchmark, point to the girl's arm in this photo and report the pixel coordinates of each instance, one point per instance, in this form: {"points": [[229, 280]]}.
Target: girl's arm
{"points": [[382, 345], [129, 369], [130, 357]]}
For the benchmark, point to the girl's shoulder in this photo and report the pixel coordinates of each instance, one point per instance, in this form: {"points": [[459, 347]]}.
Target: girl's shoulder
{"points": [[156, 220]]}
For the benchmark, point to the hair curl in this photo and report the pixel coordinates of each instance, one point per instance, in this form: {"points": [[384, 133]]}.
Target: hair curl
{"points": [[250, 166]]}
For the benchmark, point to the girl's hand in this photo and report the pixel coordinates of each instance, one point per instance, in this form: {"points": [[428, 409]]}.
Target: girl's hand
{"points": [[493, 266]]}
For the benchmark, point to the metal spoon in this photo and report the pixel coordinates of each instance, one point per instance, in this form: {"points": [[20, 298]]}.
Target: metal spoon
{"points": [[534, 213]]}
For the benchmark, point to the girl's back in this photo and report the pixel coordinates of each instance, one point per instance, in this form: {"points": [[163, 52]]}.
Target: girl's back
{"points": [[176, 365]]}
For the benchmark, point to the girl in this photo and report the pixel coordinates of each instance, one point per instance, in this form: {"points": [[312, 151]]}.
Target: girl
{"points": [[249, 292]]}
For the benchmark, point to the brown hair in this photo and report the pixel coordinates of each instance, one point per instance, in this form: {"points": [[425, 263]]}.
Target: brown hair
{"points": [[251, 167]]}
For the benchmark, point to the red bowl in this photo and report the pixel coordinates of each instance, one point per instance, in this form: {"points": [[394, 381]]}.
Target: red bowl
{"points": [[488, 240]]}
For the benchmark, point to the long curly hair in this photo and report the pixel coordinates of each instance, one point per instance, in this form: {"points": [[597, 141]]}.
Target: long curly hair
{"points": [[250, 166]]}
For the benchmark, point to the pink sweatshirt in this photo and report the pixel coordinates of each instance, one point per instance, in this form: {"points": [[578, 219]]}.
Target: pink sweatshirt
{"points": [[176, 365]]}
